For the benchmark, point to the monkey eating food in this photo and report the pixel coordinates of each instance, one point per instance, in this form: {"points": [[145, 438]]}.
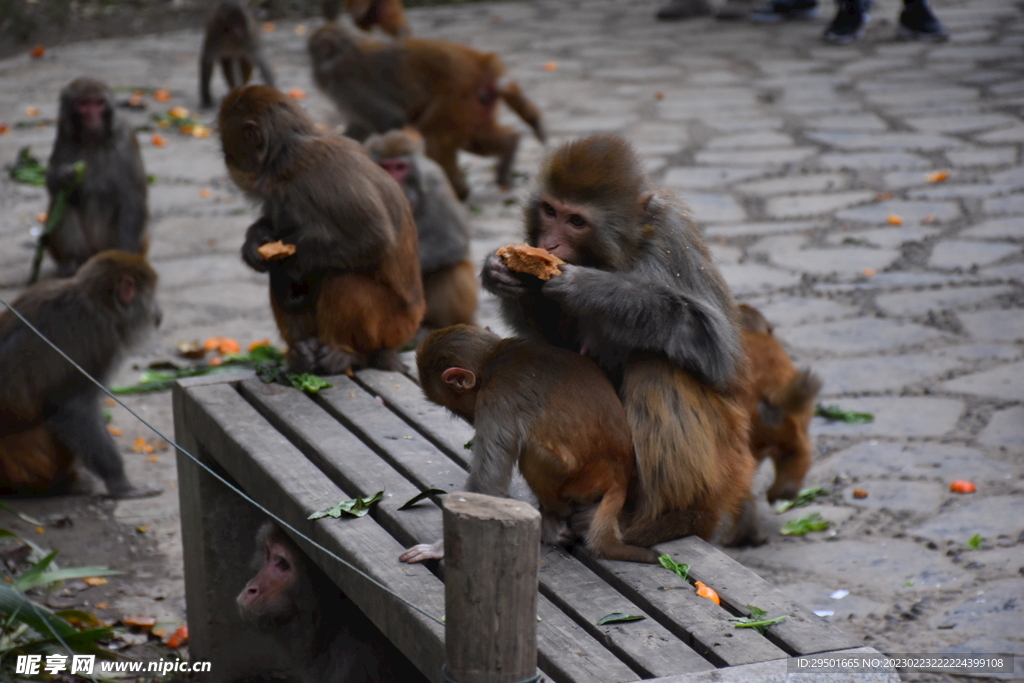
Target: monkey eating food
{"points": [[523, 398]]}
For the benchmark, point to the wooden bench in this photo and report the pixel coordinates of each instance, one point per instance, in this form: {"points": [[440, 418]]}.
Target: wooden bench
{"points": [[297, 454]]}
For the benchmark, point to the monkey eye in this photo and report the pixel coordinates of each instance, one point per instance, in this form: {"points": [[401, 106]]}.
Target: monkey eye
{"points": [[282, 564], [577, 220], [547, 209]]}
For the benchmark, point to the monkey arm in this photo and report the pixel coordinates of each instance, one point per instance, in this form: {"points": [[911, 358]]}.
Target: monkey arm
{"points": [[644, 312], [258, 234], [205, 75], [496, 447]]}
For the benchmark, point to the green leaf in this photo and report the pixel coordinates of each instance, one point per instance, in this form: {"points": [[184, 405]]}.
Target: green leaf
{"points": [[420, 496], [357, 507], [19, 608], [22, 515], [680, 568], [70, 573], [31, 575], [799, 527], [311, 384], [975, 542], [468, 445], [757, 619], [266, 353], [618, 618], [836, 414], [27, 169], [805, 497]]}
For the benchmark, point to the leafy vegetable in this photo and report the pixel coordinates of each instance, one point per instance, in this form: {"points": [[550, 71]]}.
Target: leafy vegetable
{"points": [[836, 414], [618, 618], [805, 497], [420, 496], [56, 215], [680, 568], [799, 527], [975, 542], [311, 384], [27, 169], [357, 507], [757, 619]]}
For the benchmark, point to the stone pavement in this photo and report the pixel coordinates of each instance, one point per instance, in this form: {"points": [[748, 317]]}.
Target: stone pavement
{"points": [[808, 168]]}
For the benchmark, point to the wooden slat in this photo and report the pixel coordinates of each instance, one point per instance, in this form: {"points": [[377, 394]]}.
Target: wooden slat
{"points": [[280, 477], [801, 633], [702, 624], [343, 457], [566, 651], [777, 671], [646, 645], [436, 423]]}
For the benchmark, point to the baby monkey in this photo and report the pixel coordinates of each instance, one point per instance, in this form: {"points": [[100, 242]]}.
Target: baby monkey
{"points": [[551, 411]]}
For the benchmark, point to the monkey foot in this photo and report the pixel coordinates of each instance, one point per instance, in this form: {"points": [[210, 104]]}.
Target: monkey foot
{"points": [[134, 492], [312, 355], [387, 359]]}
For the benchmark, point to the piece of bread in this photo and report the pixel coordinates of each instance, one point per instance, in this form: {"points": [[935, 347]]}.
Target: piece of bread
{"points": [[272, 251], [523, 258]]}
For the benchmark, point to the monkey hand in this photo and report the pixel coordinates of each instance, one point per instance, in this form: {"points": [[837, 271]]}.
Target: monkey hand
{"points": [[501, 280], [423, 552], [68, 176], [258, 234], [312, 355], [567, 283]]}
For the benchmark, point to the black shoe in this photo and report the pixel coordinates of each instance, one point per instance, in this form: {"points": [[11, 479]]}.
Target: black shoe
{"points": [[849, 23], [684, 9], [782, 10], [918, 22]]}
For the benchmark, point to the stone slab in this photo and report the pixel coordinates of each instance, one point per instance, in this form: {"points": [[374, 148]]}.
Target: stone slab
{"points": [[1005, 429], [981, 157], [907, 416], [996, 228], [714, 208], [910, 212], [991, 518], [910, 496], [862, 161], [863, 335], [804, 182], [936, 461], [925, 142], [965, 254], [995, 325], [801, 206], [751, 278], [759, 158], [1005, 381], [918, 303], [786, 312], [1014, 204], [704, 178], [880, 373]]}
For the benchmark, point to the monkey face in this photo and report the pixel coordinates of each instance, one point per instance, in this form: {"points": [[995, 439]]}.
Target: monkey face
{"points": [[398, 167], [563, 228], [92, 112], [268, 601]]}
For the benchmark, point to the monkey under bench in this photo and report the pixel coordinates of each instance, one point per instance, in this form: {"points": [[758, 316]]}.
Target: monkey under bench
{"points": [[296, 454]]}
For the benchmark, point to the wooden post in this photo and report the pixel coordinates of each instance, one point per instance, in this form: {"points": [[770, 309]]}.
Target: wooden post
{"points": [[492, 551]]}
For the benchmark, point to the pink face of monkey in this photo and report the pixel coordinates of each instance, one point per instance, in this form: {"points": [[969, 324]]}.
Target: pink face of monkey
{"points": [[268, 600], [92, 109]]}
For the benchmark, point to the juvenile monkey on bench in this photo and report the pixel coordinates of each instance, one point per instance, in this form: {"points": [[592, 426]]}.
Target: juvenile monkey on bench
{"points": [[523, 398]]}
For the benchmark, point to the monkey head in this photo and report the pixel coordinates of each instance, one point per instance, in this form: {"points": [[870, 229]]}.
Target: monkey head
{"points": [[780, 430], [232, 22], [396, 152], [270, 599], [86, 110], [325, 46], [449, 363], [591, 204], [257, 124], [124, 284]]}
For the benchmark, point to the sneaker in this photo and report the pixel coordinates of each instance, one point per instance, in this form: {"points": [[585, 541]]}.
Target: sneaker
{"points": [[848, 25], [918, 22], [782, 10], [684, 9]]}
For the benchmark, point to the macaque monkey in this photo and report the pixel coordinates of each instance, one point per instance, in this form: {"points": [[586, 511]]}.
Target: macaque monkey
{"points": [[329, 639], [106, 208], [640, 295], [449, 277], [780, 401], [50, 414], [388, 14], [351, 293], [233, 38], [552, 412], [447, 92]]}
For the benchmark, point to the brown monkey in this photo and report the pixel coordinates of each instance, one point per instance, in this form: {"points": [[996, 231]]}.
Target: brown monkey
{"points": [[329, 639], [388, 14], [233, 38], [448, 92], [49, 412], [449, 277], [780, 401], [640, 295], [106, 209], [524, 398], [351, 293]]}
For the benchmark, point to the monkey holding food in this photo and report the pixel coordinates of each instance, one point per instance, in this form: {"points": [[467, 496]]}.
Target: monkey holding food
{"points": [[106, 207], [523, 398], [50, 414]]}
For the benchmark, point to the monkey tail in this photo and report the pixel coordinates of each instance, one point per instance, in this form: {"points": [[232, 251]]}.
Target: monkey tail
{"points": [[526, 109]]}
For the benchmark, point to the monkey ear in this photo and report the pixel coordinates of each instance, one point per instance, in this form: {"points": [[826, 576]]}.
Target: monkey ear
{"points": [[459, 378], [645, 201], [126, 290], [769, 414], [251, 133]]}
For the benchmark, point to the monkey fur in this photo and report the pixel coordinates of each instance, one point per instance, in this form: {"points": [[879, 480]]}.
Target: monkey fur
{"points": [[50, 414], [232, 38]]}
